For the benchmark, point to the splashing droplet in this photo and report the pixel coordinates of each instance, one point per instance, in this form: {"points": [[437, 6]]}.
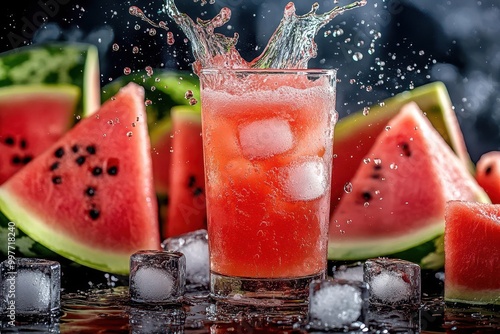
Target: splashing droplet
{"points": [[148, 103], [193, 101], [115, 47], [127, 70], [188, 95], [357, 56], [393, 166], [366, 160], [366, 111], [129, 134], [348, 187]]}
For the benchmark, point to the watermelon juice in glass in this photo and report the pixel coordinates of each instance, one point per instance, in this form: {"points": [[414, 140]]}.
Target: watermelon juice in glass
{"points": [[268, 137]]}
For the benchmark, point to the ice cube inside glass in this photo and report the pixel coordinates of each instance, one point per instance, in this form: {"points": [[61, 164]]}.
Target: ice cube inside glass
{"points": [[157, 276], [393, 282], [30, 287], [337, 304]]}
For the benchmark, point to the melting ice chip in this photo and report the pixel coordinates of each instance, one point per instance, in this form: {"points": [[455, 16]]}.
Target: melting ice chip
{"points": [[305, 180], [153, 284], [265, 138], [337, 304]]}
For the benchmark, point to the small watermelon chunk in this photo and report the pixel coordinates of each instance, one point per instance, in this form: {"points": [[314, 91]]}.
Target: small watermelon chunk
{"points": [[399, 191], [32, 117], [472, 253], [90, 196], [187, 208], [488, 174]]}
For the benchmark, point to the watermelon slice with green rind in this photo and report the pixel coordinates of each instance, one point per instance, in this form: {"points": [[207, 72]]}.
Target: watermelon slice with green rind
{"points": [[399, 191], [472, 253], [55, 63], [32, 117], [90, 196], [355, 134]]}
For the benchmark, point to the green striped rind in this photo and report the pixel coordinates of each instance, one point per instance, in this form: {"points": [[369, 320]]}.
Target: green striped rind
{"points": [[164, 88], [9, 92], [458, 294], [55, 63], [33, 226], [412, 247]]}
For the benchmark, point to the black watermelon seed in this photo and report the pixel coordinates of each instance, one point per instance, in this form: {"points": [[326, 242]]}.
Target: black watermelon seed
{"points": [[197, 191], [94, 213], [375, 176], [488, 170], [90, 191], [9, 141], [192, 181], [113, 170], [80, 160], [23, 144], [16, 160], [56, 180], [96, 171], [54, 166], [377, 167], [366, 196], [406, 149], [59, 152], [91, 149], [75, 148], [27, 159]]}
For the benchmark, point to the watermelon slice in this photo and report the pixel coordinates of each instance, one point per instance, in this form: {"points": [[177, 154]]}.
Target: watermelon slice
{"points": [[472, 251], [90, 196], [399, 191], [356, 133], [55, 63], [488, 174], [32, 117], [187, 210]]}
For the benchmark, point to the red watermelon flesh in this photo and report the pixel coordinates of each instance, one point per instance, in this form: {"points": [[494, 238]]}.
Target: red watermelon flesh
{"points": [[488, 174], [472, 253], [399, 191], [187, 209], [32, 117], [90, 196]]}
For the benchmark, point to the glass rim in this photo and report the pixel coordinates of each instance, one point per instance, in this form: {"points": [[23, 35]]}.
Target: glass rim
{"points": [[299, 71]]}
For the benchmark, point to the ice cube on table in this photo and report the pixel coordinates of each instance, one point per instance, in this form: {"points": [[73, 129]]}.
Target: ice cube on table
{"points": [[393, 282], [304, 180], [353, 271], [265, 138], [30, 287], [194, 246], [337, 304], [157, 276]]}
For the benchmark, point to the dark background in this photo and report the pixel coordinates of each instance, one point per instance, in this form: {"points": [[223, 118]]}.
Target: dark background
{"points": [[415, 42]]}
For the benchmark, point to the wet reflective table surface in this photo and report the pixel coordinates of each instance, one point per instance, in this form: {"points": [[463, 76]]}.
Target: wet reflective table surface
{"points": [[95, 302]]}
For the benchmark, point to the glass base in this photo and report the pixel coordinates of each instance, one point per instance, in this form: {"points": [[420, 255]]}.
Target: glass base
{"points": [[262, 292]]}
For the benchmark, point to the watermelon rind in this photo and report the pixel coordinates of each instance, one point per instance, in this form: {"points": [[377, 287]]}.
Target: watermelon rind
{"points": [[164, 89], [15, 91], [26, 220], [55, 63]]}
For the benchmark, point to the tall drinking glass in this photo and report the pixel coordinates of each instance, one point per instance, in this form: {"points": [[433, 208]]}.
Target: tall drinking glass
{"points": [[267, 137]]}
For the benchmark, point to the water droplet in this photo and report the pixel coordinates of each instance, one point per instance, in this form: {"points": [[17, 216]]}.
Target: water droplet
{"points": [[387, 128], [193, 101], [366, 160], [371, 51], [115, 47], [348, 187], [135, 49], [421, 52], [357, 56], [78, 117], [148, 103], [129, 134], [393, 166], [188, 94], [369, 88], [149, 71], [110, 122], [342, 231], [127, 70], [137, 27], [152, 31], [366, 204], [349, 221], [377, 161], [366, 111], [170, 38], [352, 81], [133, 124], [338, 32]]}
